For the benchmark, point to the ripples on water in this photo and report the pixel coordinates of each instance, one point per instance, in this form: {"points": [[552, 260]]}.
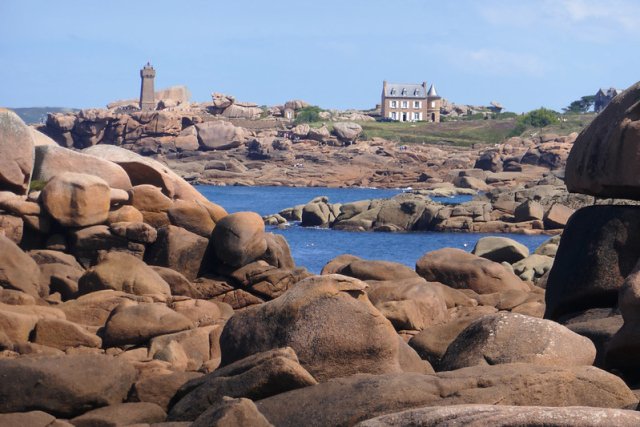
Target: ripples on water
{"points": [[313, 247]]}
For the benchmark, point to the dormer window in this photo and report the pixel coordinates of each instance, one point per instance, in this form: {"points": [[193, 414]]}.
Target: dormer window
{"points": [[415, 92], [393, 92], [404, 91]]}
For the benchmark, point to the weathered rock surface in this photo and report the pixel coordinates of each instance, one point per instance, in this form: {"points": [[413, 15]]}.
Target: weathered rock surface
{"points": [[219, 135], [62, 334], [500, 249], [16, 153], [347, 131], [622, 350], [409, 304], [77, 200], [596, 253], [462, 270], [178, 249], [239, 239], [345, 401], [121, 414], [160, 389], [120, 271], [604, 158], [507, 416], [17, 269], [135, 324], [327, 320], [63, 386], [232, 412], [51, 161], [257, 376], [500, 338]]}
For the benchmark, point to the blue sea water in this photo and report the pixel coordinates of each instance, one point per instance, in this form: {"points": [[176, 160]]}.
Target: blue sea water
{"points": [[314, 247]]}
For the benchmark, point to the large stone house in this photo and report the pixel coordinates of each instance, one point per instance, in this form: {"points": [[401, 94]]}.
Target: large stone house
{"points": [[603, 97], [410, 102]]}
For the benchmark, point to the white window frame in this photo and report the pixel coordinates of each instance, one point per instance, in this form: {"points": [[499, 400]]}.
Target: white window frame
{"points": [[416, 116], [393, 115], [433, 104], [394, 104], [404, 104], [417, 104]]}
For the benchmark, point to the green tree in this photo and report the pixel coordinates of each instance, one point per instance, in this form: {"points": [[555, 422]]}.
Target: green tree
{"points": [[582, 105], [310, 114], [537, 118]]}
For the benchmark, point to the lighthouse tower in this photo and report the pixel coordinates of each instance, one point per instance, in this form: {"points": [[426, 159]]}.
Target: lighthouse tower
{"points": [[147, 95]]}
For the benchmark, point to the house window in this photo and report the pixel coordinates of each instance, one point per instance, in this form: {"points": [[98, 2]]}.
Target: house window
{"points": [[416, 104], [394, 104], [433, 104], [394, 115], [416, 116], [404, 104]]}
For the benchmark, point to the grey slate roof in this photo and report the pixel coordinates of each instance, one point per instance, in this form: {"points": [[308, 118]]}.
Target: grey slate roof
{"points": [[402, 90], [432, 91]]}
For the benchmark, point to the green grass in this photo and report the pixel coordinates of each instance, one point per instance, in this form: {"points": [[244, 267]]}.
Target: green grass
{"points": [[463, 132], [460, 133]]}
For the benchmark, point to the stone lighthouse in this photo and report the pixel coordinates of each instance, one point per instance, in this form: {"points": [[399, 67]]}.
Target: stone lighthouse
{"points": [[147, 96]]}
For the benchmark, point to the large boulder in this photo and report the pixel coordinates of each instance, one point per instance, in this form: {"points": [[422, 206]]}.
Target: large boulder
{"points": [[132, 323], [122, 414], [347, 132], [239, 239], [257, 376], [219, 135], [432, 342], [345, 401], [178, 249], [123, 272], [410, 304], [52, 160], [557, 216], [507, 416], [462, 270], [16, 153], [77, 200], [328, 321], [232, 412], [500, 249], [597, 251], [17, 269], [498, 338], [144, 170], [604, 158], [62, 334], [63, 386], [622, 349], [160, 389], [375, 270], [95, 308]]}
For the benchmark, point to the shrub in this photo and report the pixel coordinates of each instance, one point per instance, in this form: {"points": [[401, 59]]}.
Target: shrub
{"points": [[537, 118], [310, 114], [36, 185]]}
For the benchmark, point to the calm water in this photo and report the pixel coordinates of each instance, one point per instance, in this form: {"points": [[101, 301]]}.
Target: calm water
{"points": [[313, 248]]}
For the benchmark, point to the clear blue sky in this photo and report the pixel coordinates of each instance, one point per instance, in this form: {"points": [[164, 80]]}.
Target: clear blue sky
{"points": [[524, 54]]}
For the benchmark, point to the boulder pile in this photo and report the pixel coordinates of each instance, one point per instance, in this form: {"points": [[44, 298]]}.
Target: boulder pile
{"points": [[128, 298], [541, 209]]}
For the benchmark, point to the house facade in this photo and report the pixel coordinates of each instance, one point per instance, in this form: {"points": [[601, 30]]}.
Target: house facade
{"points": [[603, 97], [410, 102]]}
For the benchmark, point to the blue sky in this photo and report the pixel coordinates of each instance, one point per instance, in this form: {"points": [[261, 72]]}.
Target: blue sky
{"points": [[524, 54]]}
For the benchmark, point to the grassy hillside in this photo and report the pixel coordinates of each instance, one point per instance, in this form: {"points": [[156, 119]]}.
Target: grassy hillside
{"points": [[465, 132], [32, 115]]}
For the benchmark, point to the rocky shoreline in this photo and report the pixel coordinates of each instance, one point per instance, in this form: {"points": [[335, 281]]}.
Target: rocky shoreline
{"points": [[127, 298]]}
